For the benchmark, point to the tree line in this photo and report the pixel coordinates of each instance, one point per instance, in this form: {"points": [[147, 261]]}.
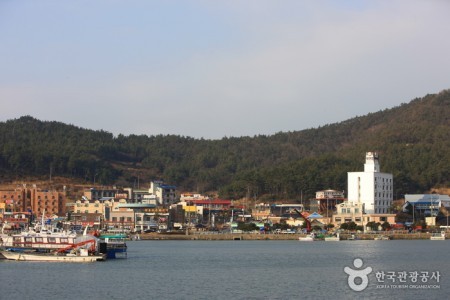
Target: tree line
{"points": [[413, 141]]}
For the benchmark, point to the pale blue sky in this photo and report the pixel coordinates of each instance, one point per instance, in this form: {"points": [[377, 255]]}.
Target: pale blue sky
{"points": [[212, 68]]}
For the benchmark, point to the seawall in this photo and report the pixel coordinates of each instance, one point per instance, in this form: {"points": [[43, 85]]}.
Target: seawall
{"points": [[256, 236]]}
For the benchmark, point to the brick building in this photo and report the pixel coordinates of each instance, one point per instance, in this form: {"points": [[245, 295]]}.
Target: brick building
{"points": [[34, 200]]}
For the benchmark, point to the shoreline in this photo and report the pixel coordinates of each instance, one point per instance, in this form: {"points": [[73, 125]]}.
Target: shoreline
{"points": [[279, 237]]}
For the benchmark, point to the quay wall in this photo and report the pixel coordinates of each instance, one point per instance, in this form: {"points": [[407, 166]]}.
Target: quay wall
{"points": [[255, 236]]}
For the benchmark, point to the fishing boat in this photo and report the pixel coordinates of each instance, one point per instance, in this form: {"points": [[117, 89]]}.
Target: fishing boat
{"points": [[438, 236], [80, 252], [332, 238], [42, 238], [352, 237], [81, 256], [308, 238], [381, 238]]}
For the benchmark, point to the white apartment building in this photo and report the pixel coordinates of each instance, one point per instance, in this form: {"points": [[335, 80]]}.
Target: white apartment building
{"points": [[165, 194], [372, 188]]}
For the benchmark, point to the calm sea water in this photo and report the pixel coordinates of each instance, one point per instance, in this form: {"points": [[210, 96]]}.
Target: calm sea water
{"points": [[237, 270]]}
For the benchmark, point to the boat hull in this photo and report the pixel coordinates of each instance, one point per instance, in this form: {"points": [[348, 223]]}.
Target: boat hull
{"points": [[18, 256], [438, 237], [114, 246]]}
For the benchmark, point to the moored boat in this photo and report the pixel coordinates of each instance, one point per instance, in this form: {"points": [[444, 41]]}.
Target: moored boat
{"points": [[42, 238], [333, 238], [438, 236], [81, 256], [381, 238], [114, 245], [308, 238]]}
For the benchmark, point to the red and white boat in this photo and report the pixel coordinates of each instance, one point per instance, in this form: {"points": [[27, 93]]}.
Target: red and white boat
{"points": [[81, 252]]}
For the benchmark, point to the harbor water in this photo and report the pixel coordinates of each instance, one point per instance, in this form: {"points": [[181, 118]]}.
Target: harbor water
{"points": [[242, 270]]}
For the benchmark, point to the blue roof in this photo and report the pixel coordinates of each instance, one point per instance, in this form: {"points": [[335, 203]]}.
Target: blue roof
{"points": [[315, 215], [168, 186]]}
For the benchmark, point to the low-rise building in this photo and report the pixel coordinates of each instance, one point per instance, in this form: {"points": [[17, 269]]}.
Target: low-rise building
{"points": [[280, 210], [353, 212], [427, 204], [262, 211], [327, 201]]}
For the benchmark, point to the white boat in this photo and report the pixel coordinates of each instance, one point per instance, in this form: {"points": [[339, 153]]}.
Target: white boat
{"points": [[438, 236], [85, 251], [352, 238], [309, 238], [333, 238], [381, 238], [42, 237], [81, 256]]}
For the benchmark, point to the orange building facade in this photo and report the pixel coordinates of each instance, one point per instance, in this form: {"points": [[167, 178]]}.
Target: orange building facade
{"points": [[34, 200]]}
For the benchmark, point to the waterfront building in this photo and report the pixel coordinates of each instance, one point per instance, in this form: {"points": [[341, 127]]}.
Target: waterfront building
{"points": [[350, 211], [427, 204], [145, 216], [372, 188], [328, 199], [262, 211], [286, 210]]}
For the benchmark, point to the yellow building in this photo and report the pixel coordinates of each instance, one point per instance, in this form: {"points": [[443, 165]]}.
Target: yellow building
{"points": [[2, 210]]}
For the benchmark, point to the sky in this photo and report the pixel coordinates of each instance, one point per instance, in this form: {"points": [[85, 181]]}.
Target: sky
{"points": [[213, 69]]}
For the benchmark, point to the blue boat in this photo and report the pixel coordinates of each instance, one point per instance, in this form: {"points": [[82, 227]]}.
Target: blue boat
{"points": [[114, 245]]}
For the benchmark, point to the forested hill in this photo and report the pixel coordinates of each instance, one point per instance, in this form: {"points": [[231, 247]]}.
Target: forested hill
{"points": [[413, 141]]}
